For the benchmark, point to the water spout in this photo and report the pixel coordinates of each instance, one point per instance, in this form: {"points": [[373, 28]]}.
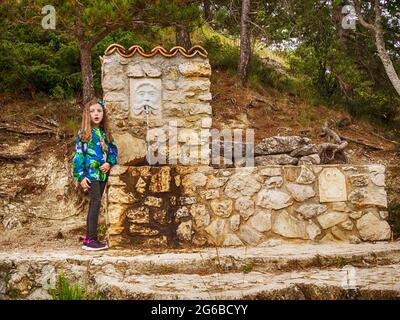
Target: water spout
{"points": [[147, 111]]}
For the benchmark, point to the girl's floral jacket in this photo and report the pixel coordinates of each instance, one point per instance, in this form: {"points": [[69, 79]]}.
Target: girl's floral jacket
{"points": [[89, 157]]}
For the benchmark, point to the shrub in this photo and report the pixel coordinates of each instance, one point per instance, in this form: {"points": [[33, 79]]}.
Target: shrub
{"points": [[394, 218], [64, 290]]}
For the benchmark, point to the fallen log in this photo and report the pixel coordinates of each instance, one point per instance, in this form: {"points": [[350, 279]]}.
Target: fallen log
{"points": [[386, 139], [40, 125], [49, 121], [365, 144], [26, 132], [10, 156]]}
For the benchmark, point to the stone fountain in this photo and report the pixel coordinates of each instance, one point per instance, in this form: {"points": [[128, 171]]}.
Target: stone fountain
{"points": [[168, 194]]}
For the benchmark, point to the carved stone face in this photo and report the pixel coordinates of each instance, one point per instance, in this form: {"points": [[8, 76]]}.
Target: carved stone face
{"points": [[147, 99], [332, 185]]}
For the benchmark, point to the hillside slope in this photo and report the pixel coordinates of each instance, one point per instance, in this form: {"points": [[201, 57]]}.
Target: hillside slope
{"points": [[40, 205]]}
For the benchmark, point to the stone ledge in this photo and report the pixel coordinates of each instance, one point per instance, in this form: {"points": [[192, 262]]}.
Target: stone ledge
{"points": [[318, 203], [123, 274]]}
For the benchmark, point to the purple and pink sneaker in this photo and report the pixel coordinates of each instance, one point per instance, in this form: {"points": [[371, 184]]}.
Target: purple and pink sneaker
{"points": [[93, 245]]}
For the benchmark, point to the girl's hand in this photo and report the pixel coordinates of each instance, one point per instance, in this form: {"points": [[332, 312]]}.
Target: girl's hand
{"points": [[105, 167], [85, 184]]}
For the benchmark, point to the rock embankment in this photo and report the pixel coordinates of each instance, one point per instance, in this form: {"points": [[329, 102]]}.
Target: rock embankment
{"points": [[277, 271]]}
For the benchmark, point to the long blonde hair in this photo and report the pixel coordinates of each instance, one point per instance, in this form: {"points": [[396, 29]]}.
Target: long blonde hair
{"points": [[86, 133]]}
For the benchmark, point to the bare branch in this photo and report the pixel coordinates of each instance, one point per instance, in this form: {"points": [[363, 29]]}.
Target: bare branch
{"points": [[364, 23]]}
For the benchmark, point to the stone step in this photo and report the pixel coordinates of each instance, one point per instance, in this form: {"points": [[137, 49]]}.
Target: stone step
{"points": [[283, 257], [32, 273], [382, 282]]}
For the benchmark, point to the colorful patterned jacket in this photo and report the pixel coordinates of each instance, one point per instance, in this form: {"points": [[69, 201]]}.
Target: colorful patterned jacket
{"points": [[89, 157]]}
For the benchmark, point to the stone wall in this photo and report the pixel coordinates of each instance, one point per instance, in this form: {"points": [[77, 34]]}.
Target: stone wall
{"points": [[177, 86], [165, 96], [201, 206]]}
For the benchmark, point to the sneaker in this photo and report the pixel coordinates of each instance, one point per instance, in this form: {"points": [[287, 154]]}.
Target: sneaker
{"points": [[93, 245]]}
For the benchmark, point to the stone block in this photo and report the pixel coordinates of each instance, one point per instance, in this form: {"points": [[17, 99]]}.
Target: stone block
{"points": [[130, 149], [161, 181], [153, 201], [371, 228], [273, 199], [288, 226], [271, 172], [116, 213], [262, 220], [195, 69], [369, 197], [234, 222], [245, 206], [241, 184], [300, 192], [280, 144], [249, 235], [184, 231], [136, 229], [117, 194], [276, 159], [331, 218], [160, 216], [312, 230], [232, 240], [200, 215], [222, 207], [311, 210], [216, 182], [216, 230], [306, 176], [138, 215]]}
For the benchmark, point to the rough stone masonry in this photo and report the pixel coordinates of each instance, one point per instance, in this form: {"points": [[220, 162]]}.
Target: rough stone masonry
{"points": [[203, 206]]}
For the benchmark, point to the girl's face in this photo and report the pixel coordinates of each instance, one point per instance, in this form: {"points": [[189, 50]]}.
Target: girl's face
{"points": [[96, 114]]}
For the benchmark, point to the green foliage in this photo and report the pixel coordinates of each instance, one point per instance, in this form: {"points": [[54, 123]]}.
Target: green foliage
{"points": [[340, 261], [306, 118], [13, 293], [331, 66], [72, 126], [394, 218], [39, 62], [247, 268], [64, 290], [222, 56], [331, 77], [101, 230], [267, 76], [48, 61], [124, 38]]}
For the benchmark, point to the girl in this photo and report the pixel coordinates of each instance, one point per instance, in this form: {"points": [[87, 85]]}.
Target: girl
{"points": [[95, 153]]}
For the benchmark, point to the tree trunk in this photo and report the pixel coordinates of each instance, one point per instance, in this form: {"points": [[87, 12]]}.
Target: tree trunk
{"points": [[183, 37], [86, 71], [382, 53], [245, 43], [380, 42], [206, 4]]}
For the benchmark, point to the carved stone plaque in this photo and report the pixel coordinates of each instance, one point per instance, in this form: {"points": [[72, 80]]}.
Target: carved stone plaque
{"points": [[332, 185], [145, 97]]}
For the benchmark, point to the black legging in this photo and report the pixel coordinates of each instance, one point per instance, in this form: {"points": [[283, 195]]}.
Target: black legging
{"points": [[95, 192]]}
